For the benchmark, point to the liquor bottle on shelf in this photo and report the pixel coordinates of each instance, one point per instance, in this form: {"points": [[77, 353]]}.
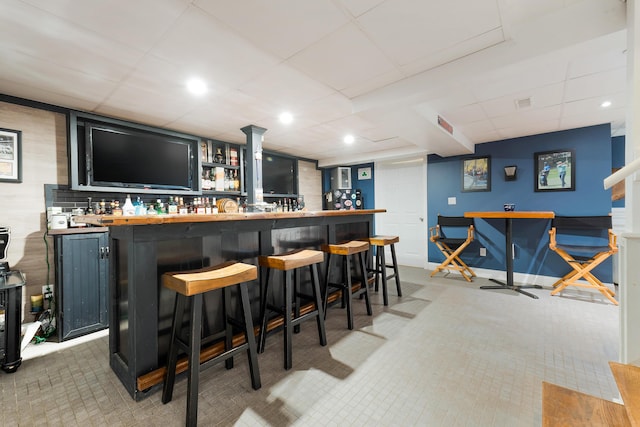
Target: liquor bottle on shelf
{"points": [[236, 181], [117, 210], [214, 206], [172, 206], [128, 209], [160, 207], [199, 207], [207, 206], [219, 157], [182, 209]]}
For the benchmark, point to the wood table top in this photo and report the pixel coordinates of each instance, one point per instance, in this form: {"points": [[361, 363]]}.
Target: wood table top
{"points": [[112, 220], [510, 214]]}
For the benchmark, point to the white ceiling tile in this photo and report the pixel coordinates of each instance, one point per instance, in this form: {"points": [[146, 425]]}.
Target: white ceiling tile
{"points": [[598, 84], [425, 28], [286, 87], [204, 47], [358, 7], [281, 27], [34, 33], [342, 59], [527, 117], [540, 97], [106, 18]]}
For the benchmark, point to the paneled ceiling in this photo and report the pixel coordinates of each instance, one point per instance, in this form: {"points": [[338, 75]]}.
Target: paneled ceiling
{"points": [[380, 70]]}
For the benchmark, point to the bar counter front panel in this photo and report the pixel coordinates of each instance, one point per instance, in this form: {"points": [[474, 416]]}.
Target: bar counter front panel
{"points": [[142, 250]]}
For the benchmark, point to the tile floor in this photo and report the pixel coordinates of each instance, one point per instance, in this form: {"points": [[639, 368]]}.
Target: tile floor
{"points": [[445, 354]]}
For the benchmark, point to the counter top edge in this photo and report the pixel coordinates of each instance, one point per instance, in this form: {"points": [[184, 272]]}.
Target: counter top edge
{"points": [[111, 220]]}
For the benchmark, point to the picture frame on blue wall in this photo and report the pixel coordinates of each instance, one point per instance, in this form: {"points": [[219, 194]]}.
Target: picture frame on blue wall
{"points": [[554, 170], [476, 174]]}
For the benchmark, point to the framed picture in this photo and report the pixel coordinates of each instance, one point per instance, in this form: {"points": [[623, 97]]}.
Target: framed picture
{"points": [[476, 174], [10, 155], [554, 170]]}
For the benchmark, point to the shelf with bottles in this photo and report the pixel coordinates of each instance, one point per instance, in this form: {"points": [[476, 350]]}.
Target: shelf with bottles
{"points": [[286, 202], [219, 154], [221, 180]]}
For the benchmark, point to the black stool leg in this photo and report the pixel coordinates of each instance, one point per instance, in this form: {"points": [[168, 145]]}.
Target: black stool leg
{"points": [[383, 269], [194, 360], [263, 313], [228, 338], [377, 268], [316, 295], [250, 337], [172, 358], [395, 269], [363, 270], [288, 296], [326, 287], [296, 296], [347, 290]]}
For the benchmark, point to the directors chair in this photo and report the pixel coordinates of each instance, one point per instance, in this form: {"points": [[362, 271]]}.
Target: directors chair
{"points": [[584, 242], [460, 232]]}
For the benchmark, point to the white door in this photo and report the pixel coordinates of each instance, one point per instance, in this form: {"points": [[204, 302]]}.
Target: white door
{"points": [[401, 189]]}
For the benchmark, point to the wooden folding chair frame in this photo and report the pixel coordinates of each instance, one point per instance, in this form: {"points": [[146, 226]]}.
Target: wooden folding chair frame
{"points": [[582, 267], [452, 247]]}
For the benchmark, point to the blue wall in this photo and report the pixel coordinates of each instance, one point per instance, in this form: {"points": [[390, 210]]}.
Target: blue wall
{"points": [[365, 185], [617, 161], [592, 163]]}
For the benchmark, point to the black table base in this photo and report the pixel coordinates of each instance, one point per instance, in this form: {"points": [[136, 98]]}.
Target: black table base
{"points": [[513, 288]]}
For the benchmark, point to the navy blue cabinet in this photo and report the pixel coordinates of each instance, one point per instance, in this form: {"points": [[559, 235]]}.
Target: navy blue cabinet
{"points": [[82, 269]]}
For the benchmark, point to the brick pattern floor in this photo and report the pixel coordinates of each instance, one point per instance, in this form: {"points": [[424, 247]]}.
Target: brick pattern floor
{"points": [[445, 354]]}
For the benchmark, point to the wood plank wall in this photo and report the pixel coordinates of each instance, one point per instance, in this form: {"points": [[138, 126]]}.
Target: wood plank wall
{"points": [[44, 160]]}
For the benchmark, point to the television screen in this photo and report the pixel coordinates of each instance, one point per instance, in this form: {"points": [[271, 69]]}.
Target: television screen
{"points": [[125, 158], [278, 174]]}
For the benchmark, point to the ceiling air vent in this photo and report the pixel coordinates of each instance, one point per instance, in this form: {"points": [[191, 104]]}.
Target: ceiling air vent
{"points": [[523, 103]]}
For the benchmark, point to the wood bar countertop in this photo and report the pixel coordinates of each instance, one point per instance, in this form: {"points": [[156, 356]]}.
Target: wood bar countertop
{"points": [[111, 220]]}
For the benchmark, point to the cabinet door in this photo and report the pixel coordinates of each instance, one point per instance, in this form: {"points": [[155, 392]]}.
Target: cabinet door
{"points": [[82, 272]]}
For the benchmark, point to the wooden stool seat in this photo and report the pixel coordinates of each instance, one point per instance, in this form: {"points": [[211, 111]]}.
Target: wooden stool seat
{"points": [[347, 250], [193, 282], [382, 240], [288, 263], [291, 260], [190, 286], [380, 267]]}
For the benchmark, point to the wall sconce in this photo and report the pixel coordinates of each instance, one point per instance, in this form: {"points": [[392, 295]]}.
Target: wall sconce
{"points": [[510, 173]]}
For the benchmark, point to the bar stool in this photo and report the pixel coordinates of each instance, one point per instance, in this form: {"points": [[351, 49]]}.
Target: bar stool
{"points": [[290, 263], [380, 267], [190, 287], [347, 250]]}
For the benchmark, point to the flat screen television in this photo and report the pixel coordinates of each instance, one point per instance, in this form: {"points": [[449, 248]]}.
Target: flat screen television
{"points": [[112, 156], [278, 174]]}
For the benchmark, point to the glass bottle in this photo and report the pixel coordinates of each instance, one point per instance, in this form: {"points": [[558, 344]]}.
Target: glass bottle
{"points": [[128, 209]]}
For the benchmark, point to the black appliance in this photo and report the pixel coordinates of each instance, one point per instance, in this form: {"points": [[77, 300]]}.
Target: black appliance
{"points": [[11, 283]]}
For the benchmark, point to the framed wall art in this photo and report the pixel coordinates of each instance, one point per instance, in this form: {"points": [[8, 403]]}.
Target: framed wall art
{"points": [[10, 155], [476, 174], [554, 170]]}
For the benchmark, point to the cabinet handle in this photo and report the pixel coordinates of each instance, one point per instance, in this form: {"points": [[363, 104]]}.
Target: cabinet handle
{"points": [[104, 252]]}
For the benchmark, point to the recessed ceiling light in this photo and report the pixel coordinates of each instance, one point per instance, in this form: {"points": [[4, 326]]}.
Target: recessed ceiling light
{"points": [[606, 104], [348, 139], [197, 86], [286, 118]]}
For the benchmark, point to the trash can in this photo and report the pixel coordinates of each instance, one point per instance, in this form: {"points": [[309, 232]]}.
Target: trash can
{"points": [[11, 283]]}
